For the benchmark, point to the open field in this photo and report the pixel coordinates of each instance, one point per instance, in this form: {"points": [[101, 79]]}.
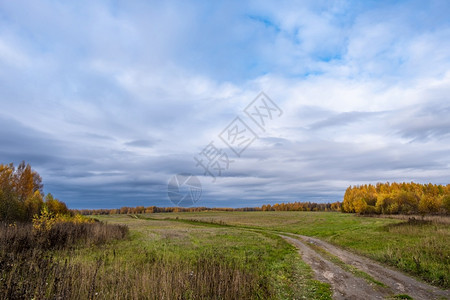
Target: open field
{"points": [[240, 255], [256, 265], [420, 249], [161, 260]]}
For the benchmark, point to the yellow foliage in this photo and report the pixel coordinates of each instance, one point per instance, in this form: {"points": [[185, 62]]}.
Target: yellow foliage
{"points": [[78, 219], [360, 206], [46, 220], [395, 198]]}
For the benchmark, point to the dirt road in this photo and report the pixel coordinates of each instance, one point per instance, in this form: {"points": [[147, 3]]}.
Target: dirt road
{"points": [[346, 285]]}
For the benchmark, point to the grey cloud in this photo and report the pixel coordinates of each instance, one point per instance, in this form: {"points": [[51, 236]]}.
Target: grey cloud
{"points": [[141, 143], [19, 141], [342, 119], [427, 122]]}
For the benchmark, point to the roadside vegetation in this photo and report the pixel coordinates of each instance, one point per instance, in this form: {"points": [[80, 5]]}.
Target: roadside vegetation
{"points": [[418, 247], [207, 261], [155, 260]]}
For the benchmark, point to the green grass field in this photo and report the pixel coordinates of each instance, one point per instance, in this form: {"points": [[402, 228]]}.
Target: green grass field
{"points": [[221, 255], [420, 249], [272, 267], [266, 266]]}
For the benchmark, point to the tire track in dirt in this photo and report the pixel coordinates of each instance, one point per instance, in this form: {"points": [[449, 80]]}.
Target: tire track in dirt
{"points": [[345, 285]]}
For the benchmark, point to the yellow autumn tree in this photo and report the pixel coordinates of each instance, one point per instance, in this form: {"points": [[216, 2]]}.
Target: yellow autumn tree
{"points": [[397, 198]]}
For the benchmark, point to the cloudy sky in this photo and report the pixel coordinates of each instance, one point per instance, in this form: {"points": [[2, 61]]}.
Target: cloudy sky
{"points": [[107, 100]]}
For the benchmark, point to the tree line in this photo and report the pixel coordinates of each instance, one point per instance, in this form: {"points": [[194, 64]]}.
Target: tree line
{"points": [[295, 206], [397, 198], [302, 206], [22, 197]]}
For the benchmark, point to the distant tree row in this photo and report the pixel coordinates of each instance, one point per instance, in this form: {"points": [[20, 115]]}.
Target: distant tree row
{"points": [[296, 206], [154, 209], [397, 198], [21, 195], [137, 210], [303, 206]]}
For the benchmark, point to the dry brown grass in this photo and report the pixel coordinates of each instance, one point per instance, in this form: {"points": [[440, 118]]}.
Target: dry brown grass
{"points": [[37, 275], [42, 265], [21, 237]]}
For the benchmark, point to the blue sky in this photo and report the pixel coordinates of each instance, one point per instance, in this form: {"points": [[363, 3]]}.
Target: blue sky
{"points": [[107, 100]]}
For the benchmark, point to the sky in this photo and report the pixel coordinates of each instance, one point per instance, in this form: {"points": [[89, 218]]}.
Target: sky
{"points": [[108, 100]]}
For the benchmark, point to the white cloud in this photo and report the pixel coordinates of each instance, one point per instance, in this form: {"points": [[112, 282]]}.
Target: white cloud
{"points": [[108, 101]]}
